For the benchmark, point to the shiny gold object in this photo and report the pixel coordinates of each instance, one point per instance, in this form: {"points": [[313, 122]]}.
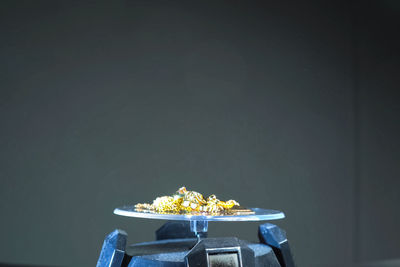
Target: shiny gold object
{"points": [[184, 201]]}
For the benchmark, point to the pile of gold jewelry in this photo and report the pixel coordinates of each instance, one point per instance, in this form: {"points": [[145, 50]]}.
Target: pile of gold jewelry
{"points": [[188, 201]]}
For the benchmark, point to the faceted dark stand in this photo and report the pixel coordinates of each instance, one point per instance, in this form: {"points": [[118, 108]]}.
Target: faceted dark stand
{"points": [[182, 243]]}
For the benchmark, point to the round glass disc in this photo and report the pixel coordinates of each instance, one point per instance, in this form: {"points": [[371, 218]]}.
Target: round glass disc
{"points": [[248, 214]]}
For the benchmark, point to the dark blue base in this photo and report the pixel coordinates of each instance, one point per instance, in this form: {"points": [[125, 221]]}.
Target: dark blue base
{"points": [[272, 251]]}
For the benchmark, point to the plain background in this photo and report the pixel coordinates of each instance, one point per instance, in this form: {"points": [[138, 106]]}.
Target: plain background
{"points": [[292, 106]]}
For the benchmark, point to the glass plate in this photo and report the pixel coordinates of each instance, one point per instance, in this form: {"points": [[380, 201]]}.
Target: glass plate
{"points": [[247, 214]]}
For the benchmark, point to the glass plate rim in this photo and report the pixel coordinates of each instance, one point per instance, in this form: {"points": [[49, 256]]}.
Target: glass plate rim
{"points": [[259, 215]]}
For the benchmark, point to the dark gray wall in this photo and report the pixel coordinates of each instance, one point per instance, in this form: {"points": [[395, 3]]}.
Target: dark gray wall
{"points": [[379, 130], [110, 104]]}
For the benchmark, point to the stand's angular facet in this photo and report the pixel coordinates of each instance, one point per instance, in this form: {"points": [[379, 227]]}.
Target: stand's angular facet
{"points": [[272, 235], [113, 250]]}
